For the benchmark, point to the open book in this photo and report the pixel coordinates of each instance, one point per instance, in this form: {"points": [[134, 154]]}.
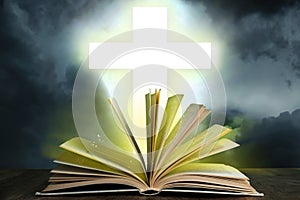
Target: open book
{"points": [[172, 161]]}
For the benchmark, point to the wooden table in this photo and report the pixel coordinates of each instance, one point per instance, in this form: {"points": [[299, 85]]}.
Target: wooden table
{"points": [[274, 183]]}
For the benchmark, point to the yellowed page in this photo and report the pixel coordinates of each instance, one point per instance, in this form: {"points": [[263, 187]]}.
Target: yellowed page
{"points": [[107, 156], [208, 186], [125, 125], [112, 131], [193, 115], [73, 159], [220, 146], [209, 169], [202, 150], [237, 183], [59, 186], [185, 121], [152, 101], [148, 129], [172, 106], [185, 150]]}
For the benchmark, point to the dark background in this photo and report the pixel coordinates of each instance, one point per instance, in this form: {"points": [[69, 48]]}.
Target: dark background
{"points": [[42, 45]]}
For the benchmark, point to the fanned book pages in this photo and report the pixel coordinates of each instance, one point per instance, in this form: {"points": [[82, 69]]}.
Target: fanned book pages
{"points": [[171, 160]]}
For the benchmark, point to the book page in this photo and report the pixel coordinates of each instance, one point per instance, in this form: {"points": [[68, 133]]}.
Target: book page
{"points": [[209, 148], [106, 180], [211, 191], [73, 159], [188, 117], [172, 106], [220, 146], [186, 125], [148, 129], [198, 178], [192, 150], [112, 134], [209, 169], [207, 173], [125, 125], [110, 157], [207, 139], [69, 172], [152, 101], [209, 186]]}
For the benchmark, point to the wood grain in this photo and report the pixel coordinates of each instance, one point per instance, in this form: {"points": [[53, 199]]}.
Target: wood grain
{"points": [[274, 183]]}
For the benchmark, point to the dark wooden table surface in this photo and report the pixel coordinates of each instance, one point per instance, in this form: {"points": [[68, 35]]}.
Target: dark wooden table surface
{"points": [[274, 183]]}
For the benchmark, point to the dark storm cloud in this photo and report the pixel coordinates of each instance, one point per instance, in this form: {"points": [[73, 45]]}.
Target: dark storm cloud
{"points": [[289, 83], [272, 141], [295, 60], [38, 65], [275, 140], [260, 53], [258, 28], [34, 83], [239, 9]]}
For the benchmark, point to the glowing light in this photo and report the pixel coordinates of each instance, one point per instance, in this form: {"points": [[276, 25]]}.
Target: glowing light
{"points": [[144, 57], [145, 17], [150, 17], [190, 20]]}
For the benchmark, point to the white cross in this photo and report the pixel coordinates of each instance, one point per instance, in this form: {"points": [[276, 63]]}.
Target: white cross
{"points": [[148, 17]]}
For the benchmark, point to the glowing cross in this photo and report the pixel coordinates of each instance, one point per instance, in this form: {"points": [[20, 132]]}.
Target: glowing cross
{"points": [[155, 18], [147, 17]]}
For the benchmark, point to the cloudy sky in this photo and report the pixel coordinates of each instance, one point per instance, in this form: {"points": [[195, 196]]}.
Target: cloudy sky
{"points": [[42, 44]]}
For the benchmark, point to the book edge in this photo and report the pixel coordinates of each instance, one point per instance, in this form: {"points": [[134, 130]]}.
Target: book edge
{"points": [[163, 190]]}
